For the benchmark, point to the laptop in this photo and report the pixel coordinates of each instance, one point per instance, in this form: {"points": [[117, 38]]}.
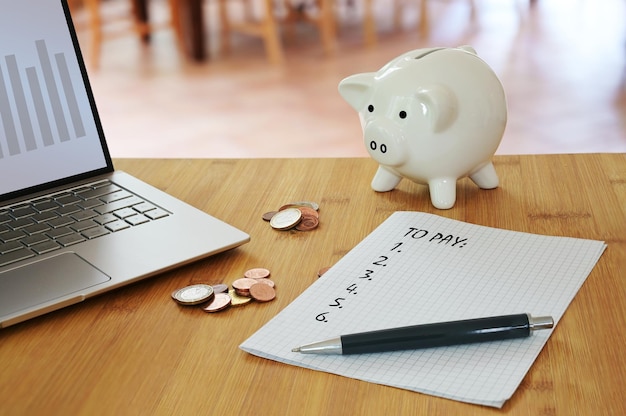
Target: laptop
{"points": [[72, 227]]}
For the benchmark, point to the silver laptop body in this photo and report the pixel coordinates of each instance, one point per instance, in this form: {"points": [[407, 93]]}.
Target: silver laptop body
{"points": [[70, 226]]}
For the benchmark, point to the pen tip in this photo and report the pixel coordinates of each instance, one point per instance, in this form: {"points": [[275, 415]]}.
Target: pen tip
{"points": [[297, 349]]}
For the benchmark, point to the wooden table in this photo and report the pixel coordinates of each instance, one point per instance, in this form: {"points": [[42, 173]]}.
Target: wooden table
{"points": [[135, 351]]}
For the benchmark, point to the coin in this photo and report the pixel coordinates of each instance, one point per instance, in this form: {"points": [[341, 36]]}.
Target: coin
{"points": [[313, 205], [242, 286], [220, 288], [220, 302], [268, 215], [307, 223], [322, 271], [193, 295], [257, 273], [262, 293], [306, 211], [237, 300], [268, 282], [287, 219]]}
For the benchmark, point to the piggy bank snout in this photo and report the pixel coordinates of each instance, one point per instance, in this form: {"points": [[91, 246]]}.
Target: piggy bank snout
{"points": [[385, 142]]}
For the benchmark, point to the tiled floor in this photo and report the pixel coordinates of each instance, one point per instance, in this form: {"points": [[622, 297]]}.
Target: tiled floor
{"points": [[562, 63]]}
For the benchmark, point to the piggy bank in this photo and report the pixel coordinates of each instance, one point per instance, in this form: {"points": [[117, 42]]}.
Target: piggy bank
{"points": [[432, 116]]}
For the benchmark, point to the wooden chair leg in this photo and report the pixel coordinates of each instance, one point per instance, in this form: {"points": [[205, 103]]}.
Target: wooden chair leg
{"points": [[95, 27], [369, 24], [271, 35], [224, 27], [177, 26], [326, 25]]}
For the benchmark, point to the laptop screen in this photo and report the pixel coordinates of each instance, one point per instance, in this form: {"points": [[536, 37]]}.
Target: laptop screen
{"points": [[49, 128]]}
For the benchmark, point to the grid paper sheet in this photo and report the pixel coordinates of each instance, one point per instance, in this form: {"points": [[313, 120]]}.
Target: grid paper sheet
{"points": [[418, 268]]}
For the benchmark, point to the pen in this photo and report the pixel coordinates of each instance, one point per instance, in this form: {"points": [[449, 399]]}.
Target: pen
{"points": [[432, 335]]}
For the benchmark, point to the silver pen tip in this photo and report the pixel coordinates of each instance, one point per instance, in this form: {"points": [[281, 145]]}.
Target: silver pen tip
{"points": [[297, 349]]}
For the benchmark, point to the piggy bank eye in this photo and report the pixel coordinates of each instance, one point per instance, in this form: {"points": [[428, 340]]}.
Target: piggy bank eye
{"points": [[370, 108], [402, 114]]}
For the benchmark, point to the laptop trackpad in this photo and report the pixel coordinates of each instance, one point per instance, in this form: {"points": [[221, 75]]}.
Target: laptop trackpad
{"points": [[46, 280]]}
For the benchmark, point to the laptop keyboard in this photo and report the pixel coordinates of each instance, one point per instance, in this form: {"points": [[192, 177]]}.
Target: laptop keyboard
{"points": [[60, 220]]}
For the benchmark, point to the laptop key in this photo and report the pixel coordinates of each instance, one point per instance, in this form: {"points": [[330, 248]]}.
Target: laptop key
{"points": [[36, 228], [21, 223], [45, 247], [59, 232], [11, 236], [113, 206], [83, 225], [115, 196], [68, 240], [136, 219], [61, 222], [84, 215], [117, 225], [32, 240], [95, 232], [16, 255], [103, 190], [156, 213], [10, 246]]}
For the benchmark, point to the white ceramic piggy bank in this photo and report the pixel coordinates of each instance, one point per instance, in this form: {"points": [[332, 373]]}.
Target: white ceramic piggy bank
{"points": [[432, 116]]}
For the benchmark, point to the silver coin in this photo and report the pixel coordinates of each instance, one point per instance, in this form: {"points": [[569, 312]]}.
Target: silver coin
{"points": [[286, 219], [193, 295], [310, 204]]}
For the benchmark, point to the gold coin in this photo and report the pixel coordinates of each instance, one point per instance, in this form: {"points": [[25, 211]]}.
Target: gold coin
{"points": [[220, 302], [286, 219], [262, 293], [237, 300], [257, 273]]}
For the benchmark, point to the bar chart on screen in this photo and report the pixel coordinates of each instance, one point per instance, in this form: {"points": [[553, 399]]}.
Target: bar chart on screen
{"points": [[38, 103]]}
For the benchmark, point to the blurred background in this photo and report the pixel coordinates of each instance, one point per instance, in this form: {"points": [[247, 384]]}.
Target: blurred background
{"points": [[258, 78]]}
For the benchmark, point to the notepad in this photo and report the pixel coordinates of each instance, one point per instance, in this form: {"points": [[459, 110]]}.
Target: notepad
{"points": [[419, 268]]}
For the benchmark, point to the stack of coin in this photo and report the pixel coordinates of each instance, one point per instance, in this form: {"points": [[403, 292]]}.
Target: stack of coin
{"points": [[301, 216], [254, 285]]}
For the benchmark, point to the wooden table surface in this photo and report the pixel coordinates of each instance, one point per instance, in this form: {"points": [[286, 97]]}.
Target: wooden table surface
{"points": [[135, 351]]}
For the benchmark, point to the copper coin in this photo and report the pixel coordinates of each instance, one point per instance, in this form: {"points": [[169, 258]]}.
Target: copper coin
{"points": [[323, 270], [306, 211], [220, 302], [307, 223], [268, 282], [257, 273], [268, 215], [243, 284], [193, 295], [262, 293], [286, 219], [220, 288], [237, 300]]}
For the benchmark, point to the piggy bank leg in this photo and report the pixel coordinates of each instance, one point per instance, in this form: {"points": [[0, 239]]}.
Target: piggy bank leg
{"points": [[442, 192], [385, 180], [485, 177]]}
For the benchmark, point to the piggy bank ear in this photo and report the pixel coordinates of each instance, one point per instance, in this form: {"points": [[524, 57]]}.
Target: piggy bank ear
{"points": [[356, 89], [439, 105]]}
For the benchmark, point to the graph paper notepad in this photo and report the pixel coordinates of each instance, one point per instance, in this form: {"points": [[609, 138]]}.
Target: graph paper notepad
{"points": [[418, 268]]}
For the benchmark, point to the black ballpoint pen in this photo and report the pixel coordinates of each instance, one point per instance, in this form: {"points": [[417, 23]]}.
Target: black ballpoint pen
{"points": [[432, 335]]}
